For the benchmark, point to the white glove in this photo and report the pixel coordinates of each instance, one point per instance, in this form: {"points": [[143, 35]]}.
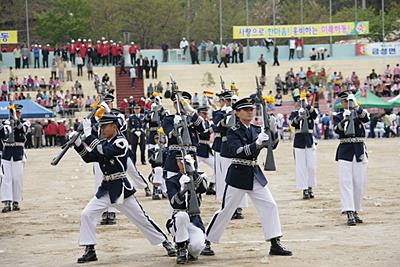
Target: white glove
{"points": [[87, 127], [189, 159], [346, 113], [302, 111], [154, 106], [184, 180], [262, 137], [228, 109], [27, 124], [351, 97], [7, 129], [177, 119], [7, 122], [138, 133], [188, 108], [106, 107], [78, 140]]}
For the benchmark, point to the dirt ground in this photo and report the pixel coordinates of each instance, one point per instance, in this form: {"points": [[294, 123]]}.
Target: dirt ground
{"points": [[45, 232]]}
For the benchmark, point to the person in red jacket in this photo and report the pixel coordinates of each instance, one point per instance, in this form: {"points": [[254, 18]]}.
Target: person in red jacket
{"points": [[120, 51], [72, 51], [98, 49], [133, 49], [52, 132], [62, 132], [83, 52], [124, 106], [114, 53], [104, 53]]}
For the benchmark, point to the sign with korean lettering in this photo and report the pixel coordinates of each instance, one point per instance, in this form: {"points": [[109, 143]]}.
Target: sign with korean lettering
{"points": [[8, 37], [305, 30], [378, 49]]}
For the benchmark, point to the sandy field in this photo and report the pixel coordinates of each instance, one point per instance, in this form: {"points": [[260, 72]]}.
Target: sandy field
{"points": [[45, 232]]}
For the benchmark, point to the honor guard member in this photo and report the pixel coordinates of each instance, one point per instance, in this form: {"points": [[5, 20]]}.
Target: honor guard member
{"points": [[224, 125], [154, 118], [351, 155], [187, 229], [157, 155], [136, 126], [304, 147], [115, 190], [13, 136], [204, 151], [244, 176]]}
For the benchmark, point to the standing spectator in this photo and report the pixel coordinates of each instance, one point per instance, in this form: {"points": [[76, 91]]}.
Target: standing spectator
{"points": [[132, 75], [146, 66], [79, 63], [299, 48], [45, 56], [292, 47], [262, 63], [124, 105], [25, 56], [72, 51], [241, 52], [139, 65], [276, 53], [17, 56], [62, 132], [53, 68], [396, 72], [132, 52], [223, 56], [121, 64], [184, 45], [150, 90], [194, 53], [209, 49], [326, 121], [235, 51], [36, 55], [164, 48], [215, 54], [321, 53], [68, 67], [196, 101], [89, 67], [37, 133], [154, 66], [61, 68]]}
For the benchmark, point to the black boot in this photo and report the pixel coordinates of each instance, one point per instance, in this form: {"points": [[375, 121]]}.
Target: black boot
{"points": [[238, 214], [171, 251], [277, 248], [15, 206], [104, 218], [111, 218], [147, 192], [351, 221], [156, 192], [7, 206], [310, 192], [207, 251], [191, 257], [89, 255], [181, 257], [306, 195], [210, 189], [357, 218]]}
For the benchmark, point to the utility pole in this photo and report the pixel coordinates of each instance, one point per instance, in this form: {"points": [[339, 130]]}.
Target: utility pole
{"points": [[247, 24], [28, 41]]}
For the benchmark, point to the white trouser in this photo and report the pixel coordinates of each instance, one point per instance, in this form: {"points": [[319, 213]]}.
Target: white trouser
{"points": [[133, 173], [183, 230], [210, 163], [11, 186], [225, 163], [98, 174], [263, 201], [130, 207], [305, 167], [352, 176], [157, 178], [219, 179]]}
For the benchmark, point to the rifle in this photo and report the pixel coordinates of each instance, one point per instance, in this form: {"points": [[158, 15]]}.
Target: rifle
{"points": [[11, 118], [222, 84], [269, 164], [184, 140], [72, 140], [350, 130], [232, 120], [305, 116]]}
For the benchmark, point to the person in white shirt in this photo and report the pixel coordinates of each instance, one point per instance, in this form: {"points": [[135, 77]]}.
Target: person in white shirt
{"points": [[292, 47], [132, 75], [184, 44]]}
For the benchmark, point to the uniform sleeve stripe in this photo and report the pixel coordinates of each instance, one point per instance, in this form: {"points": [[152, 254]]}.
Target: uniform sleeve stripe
{"points": [[94, 143]]}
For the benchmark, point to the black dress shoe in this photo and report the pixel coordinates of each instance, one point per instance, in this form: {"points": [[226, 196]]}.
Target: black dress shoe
{"points": [[238, 215], [147, 192], [181, 257], [15, 206], [104, 218], [306, 195], [207, 251], [210, 189], [351, 221], [89, 255], [7, 207], [171, 251], [111, 218], [190, 257], [310, 192], [357, 218], [277, 249]]}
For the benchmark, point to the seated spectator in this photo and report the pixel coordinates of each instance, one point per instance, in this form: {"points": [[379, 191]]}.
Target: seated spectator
{"points": [[36, 83], [4, 89], [29, 83], [278, 99], [313, 54]]}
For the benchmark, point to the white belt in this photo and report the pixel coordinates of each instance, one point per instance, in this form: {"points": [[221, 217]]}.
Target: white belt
{"points": [[114, 176], [299, 131], [217, 134], [352, 140], [224, 138], [14, 144], [245, 162], [153, 128], [178, 148], [206, 142]]}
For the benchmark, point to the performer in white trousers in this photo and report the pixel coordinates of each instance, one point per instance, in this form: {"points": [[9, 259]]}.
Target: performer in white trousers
{"points": [[115, 190], [351, 155], [304, 146], [244, 176], [13, 136]]}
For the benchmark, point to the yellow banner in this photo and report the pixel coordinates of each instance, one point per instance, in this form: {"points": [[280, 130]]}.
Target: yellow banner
{"points": [[8, 37], [305, 30]]}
